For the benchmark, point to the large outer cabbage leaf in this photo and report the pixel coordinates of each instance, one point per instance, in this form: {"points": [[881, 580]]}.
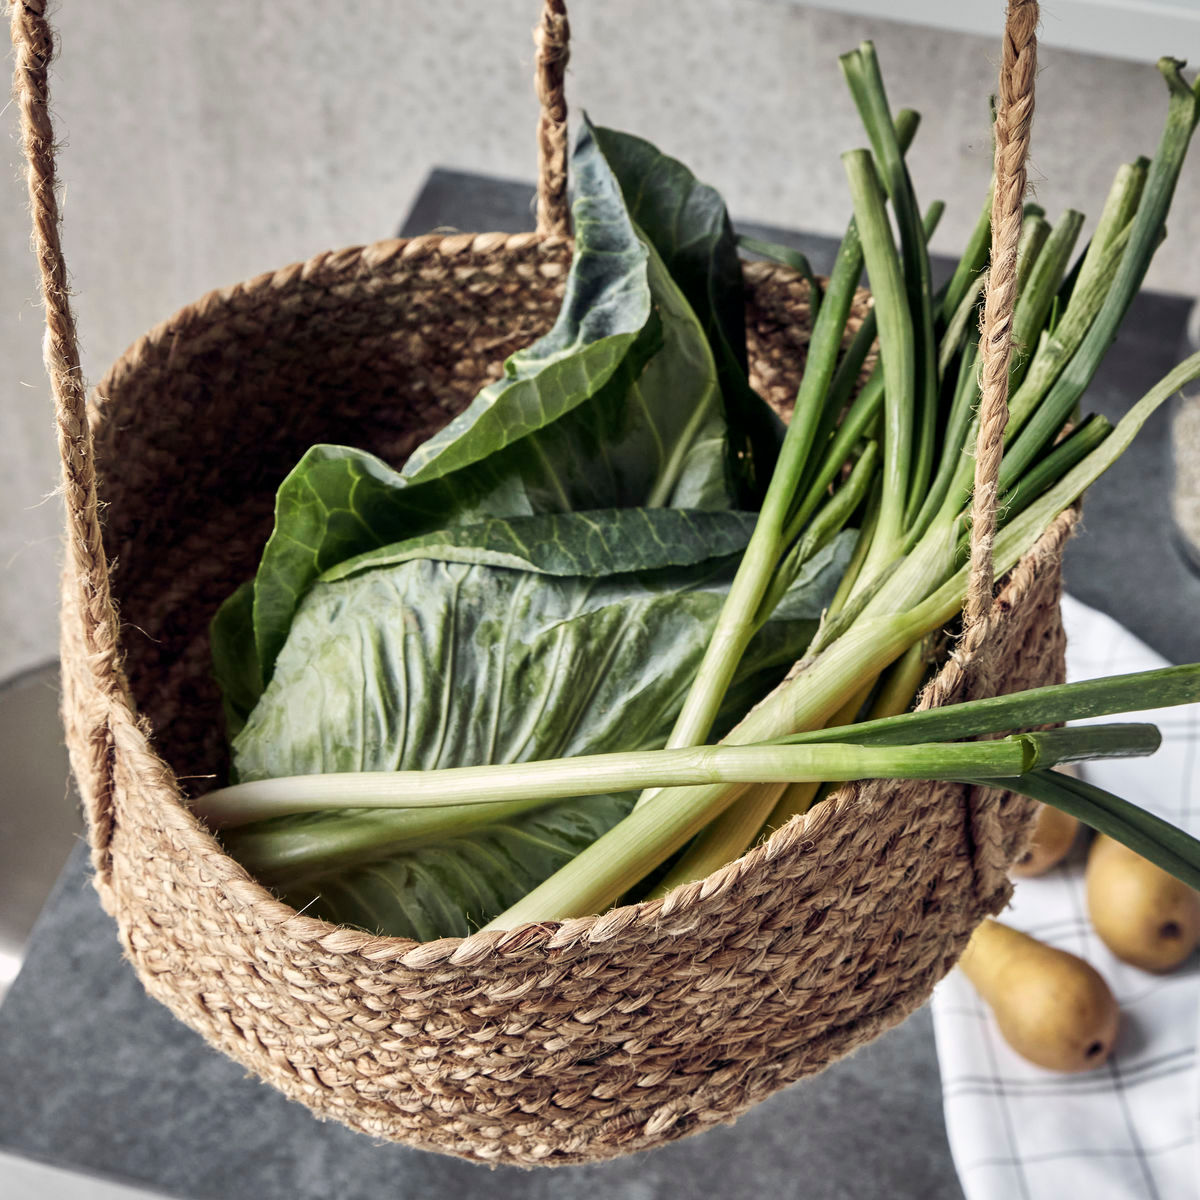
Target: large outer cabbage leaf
{"points": [[494, 652], [539, 580], [617, 406]]}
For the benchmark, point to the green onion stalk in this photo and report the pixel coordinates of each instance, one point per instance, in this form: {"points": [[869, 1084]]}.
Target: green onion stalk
{"points": [[785, 509], [912, 745], [897, 460], [912, 580], [586, 774]]}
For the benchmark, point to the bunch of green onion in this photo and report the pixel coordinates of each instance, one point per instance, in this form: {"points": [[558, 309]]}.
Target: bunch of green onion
{"points": [[895, 454]]}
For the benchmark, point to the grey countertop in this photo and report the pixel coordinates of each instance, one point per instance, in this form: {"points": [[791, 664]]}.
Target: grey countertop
{"points": [[97, 1077]]}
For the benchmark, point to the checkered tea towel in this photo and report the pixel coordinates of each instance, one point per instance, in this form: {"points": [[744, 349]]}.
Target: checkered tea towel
{"points": [[1131, 1128]]}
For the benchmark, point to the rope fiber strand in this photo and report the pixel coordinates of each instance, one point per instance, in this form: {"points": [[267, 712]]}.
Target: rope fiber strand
{"points": [[33, 42], [552, 37], [1014, 119]]}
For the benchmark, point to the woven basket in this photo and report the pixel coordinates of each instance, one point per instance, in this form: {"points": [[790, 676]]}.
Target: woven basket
{"points": [[555, 1043]]}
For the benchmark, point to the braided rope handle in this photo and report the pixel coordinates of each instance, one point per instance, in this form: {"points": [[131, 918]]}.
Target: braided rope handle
{"points": [[34, 45], [552, 37], [33, 42], [1014, 120]]}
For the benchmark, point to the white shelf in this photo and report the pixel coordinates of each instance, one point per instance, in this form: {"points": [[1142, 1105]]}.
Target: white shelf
{"points": [[1141, 30]]}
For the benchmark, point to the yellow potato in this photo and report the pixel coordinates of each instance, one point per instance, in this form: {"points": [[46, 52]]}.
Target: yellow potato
{"points": [[1052, 1007], [1145, 916]]}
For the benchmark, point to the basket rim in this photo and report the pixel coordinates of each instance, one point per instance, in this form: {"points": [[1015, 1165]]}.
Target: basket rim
{"points": [[327, 267], [340, 266], [131, 732]]}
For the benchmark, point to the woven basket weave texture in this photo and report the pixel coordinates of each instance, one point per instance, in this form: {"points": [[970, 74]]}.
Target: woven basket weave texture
{"points": [[554, 1043], [562, 1043]]}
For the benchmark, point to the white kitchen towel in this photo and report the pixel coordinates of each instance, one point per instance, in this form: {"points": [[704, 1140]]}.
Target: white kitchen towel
{"points": [[1131, 1128]]}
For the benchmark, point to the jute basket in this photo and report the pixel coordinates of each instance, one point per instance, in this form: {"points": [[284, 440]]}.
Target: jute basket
{"points": [[554, 1043]]}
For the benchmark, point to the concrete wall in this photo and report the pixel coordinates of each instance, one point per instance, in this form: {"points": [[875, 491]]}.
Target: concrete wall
{"points": [[205, 142]]}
